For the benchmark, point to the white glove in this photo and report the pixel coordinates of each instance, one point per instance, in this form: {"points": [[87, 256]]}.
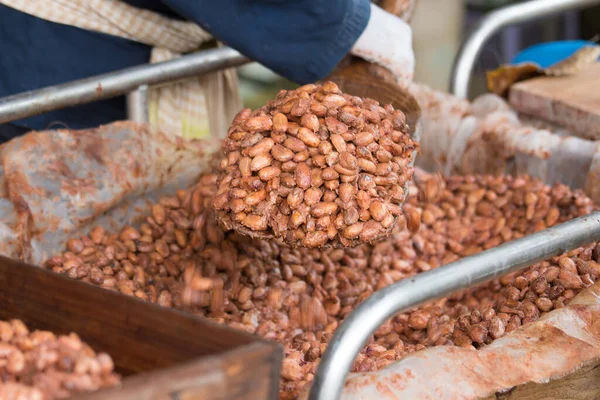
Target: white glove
{"points": [[387, 41]]}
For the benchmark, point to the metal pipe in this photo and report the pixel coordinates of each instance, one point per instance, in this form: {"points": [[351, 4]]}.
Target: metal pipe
{"points": [[492, 23], [116, 83], [137, 104], [404, 295]]}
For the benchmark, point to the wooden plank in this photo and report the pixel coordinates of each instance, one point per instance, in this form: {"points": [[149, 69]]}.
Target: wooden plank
{"points": [[572, 102], [580, 385], [181, 348], [250, 372]]}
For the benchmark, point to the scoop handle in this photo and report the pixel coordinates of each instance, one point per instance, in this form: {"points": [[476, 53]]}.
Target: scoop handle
{"points": [[364, 79], [392, 6], [352, 65]]}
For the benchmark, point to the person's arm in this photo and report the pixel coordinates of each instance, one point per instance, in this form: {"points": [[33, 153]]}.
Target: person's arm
{"points": [[303, 40]]}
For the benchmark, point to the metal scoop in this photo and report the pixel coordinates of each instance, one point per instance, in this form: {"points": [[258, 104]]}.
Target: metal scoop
{"points": [[361, 78]]}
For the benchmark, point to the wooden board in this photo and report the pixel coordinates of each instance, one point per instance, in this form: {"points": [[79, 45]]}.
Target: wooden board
{"points": [[179, 355], [572, 102], [580, 385]]}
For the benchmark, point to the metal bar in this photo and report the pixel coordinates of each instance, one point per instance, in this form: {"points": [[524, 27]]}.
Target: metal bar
{"points": [[116, 83], [137, 104], [492, 23], [404, 295]]}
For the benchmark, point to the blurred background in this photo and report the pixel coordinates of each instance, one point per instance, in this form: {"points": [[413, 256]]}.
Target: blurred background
{"points": [[438, 29]]}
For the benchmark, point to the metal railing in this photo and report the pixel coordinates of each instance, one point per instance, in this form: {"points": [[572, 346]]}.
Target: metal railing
{"points": [[118, 83], [522, 12], [353, 333]]}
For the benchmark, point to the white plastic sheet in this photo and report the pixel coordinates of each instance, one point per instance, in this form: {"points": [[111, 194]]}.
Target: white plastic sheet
{"points": [[487, 137]]}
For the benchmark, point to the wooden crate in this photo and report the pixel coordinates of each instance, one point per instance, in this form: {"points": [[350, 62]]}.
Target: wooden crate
{"points": [[162, 353]]}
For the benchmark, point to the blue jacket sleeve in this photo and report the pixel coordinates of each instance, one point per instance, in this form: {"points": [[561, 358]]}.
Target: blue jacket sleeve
{"points": [[303, 40]]}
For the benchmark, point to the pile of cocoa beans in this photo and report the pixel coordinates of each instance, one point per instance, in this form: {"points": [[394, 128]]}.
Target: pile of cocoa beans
{"points": [[40, 365], [181, 257]]}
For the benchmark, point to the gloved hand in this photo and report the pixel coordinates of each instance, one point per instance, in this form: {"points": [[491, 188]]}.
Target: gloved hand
{"points": [[387, 41]]}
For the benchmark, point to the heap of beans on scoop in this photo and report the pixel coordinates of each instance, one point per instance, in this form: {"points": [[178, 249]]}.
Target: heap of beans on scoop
{"points": [[316, 167], [180, 257]]}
